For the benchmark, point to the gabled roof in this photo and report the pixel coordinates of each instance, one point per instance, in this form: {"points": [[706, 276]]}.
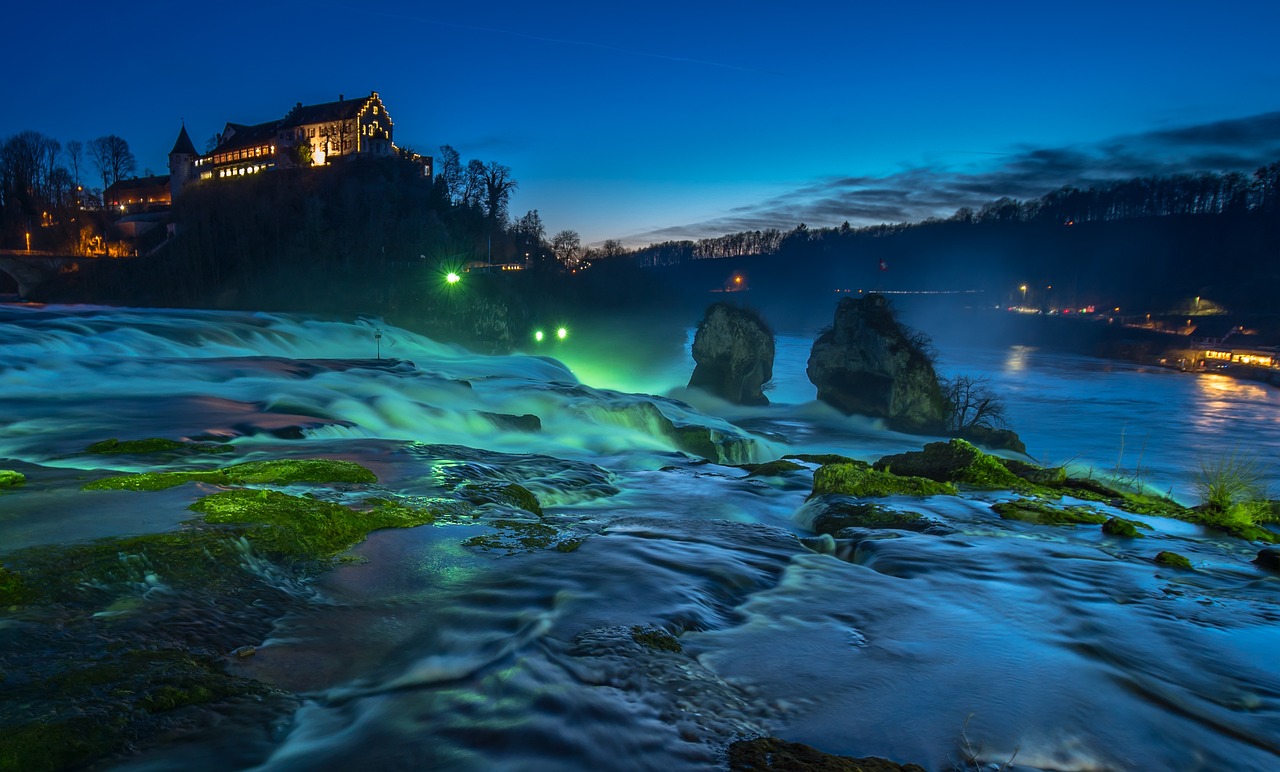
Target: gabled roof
{"points": [[138, 182], [243, 136], [183, 145], [341, 110]]}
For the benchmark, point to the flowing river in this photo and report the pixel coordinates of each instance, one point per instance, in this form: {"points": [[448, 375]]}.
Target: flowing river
{"points": [[429, 648]]}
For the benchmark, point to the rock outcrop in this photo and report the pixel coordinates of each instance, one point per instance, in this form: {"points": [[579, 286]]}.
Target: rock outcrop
{"points": [[867, 364], [733, 349]]}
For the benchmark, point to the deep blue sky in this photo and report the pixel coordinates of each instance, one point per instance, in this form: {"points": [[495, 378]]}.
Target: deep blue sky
{"points": [[679, 119]]}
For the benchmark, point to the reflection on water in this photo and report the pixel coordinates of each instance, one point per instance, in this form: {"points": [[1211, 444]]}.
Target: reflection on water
{"points": [[1017, 360]]}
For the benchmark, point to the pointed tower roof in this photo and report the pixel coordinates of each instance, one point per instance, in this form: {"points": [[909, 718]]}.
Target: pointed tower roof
{"points": [[183, 145]]}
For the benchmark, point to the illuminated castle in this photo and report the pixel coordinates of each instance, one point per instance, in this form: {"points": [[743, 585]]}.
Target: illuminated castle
{"points": [[308, 135]]}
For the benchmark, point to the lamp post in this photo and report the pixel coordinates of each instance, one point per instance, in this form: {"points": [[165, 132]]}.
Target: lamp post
{"points": [[28, 242], [1024, 293]]}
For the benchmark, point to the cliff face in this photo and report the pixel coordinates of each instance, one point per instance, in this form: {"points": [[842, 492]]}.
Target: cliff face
{"points": [[734, 351], [866, 364]]}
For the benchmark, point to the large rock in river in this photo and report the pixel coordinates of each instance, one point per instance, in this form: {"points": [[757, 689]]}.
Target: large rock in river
{"points": [[733, 349], [867, 364]]}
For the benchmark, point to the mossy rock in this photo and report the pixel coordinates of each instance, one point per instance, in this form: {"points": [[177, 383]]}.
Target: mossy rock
{"points": [[13, 590], [10, 478], [655, 638], [823, 459], [769, 754], [95, 705], [279, 472], [157, 481], [956, 461], [862, 481], [306, 470], [772, 468], [1052, 477], [836, 513], [512, 494], [512, 536], [1032, 511], [300, 527], [93, 572], [57, 743], [1173, 560], [1118, 526], [157, 445]]}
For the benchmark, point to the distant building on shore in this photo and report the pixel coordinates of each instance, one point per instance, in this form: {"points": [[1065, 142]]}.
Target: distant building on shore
{"points": [[308, 135]]}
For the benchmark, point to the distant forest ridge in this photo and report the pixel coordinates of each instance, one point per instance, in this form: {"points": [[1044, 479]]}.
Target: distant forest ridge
{"points": [[1204, 193]]}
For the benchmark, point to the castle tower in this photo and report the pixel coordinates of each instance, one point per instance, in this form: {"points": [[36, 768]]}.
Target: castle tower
{"points": [[182, 163]]}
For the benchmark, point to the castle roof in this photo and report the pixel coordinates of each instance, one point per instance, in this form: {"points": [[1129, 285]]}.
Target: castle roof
{"points": [[137, 183], [343, 109], [183, 145], [239, 135]]}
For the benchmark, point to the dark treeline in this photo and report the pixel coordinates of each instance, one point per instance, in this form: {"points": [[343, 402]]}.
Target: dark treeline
{"points": [[49, 189], [1206, 193], [1146, 245]]}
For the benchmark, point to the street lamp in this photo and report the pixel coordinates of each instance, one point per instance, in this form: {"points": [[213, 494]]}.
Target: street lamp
{"points": [[1024, 292]]}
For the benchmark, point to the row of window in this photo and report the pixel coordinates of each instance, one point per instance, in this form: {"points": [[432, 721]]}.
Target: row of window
{"points": [[238, 155], [240, 171]]}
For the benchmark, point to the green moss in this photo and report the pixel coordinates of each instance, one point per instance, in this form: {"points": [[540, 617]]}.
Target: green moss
{"points": [[1053, 477], [13, 590], [156, 481], [1118, 526], [56, 743], [838, 513], [89, 707], [512, 536], [772, 468], [96, 571], [300, 527], [956, 461], [1173, 559], [513, 494], [157, 445], [1032, 511], [655, 638], [10, 479], [862, 481], [307, 470], [281, 472]]}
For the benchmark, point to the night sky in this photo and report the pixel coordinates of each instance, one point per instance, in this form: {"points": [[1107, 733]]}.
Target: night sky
{"points": [[656, 120]]}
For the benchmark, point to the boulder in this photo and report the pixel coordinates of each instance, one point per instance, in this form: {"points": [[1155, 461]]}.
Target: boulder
{"points": [[733, 349], [867, 364]]}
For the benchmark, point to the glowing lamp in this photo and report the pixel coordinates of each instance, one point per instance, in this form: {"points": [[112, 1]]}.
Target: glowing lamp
{"points": [[562, 333], [538, 336], [452, 278]]}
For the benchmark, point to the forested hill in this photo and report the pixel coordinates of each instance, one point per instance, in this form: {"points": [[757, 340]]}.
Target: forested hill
{"points": [[1143, 244]]}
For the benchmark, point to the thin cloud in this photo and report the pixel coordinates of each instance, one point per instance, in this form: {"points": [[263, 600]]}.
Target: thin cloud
{"points": [[1238, 144]]}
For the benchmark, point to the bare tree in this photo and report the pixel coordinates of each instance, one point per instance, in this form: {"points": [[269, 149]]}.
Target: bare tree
{"points": [[74, 151], [565, 245], [498, 185], [338, 134], [612, 248], [449, 173], [473, 183], [113, 158], [972, 403]]}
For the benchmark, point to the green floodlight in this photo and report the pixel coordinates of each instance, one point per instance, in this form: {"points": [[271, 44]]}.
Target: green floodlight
{"points": [[562, 333], [452, 278], [538, 336]]}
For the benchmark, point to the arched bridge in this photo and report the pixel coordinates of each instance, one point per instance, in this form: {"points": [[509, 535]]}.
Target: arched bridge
{"points": [[31, 269]]}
